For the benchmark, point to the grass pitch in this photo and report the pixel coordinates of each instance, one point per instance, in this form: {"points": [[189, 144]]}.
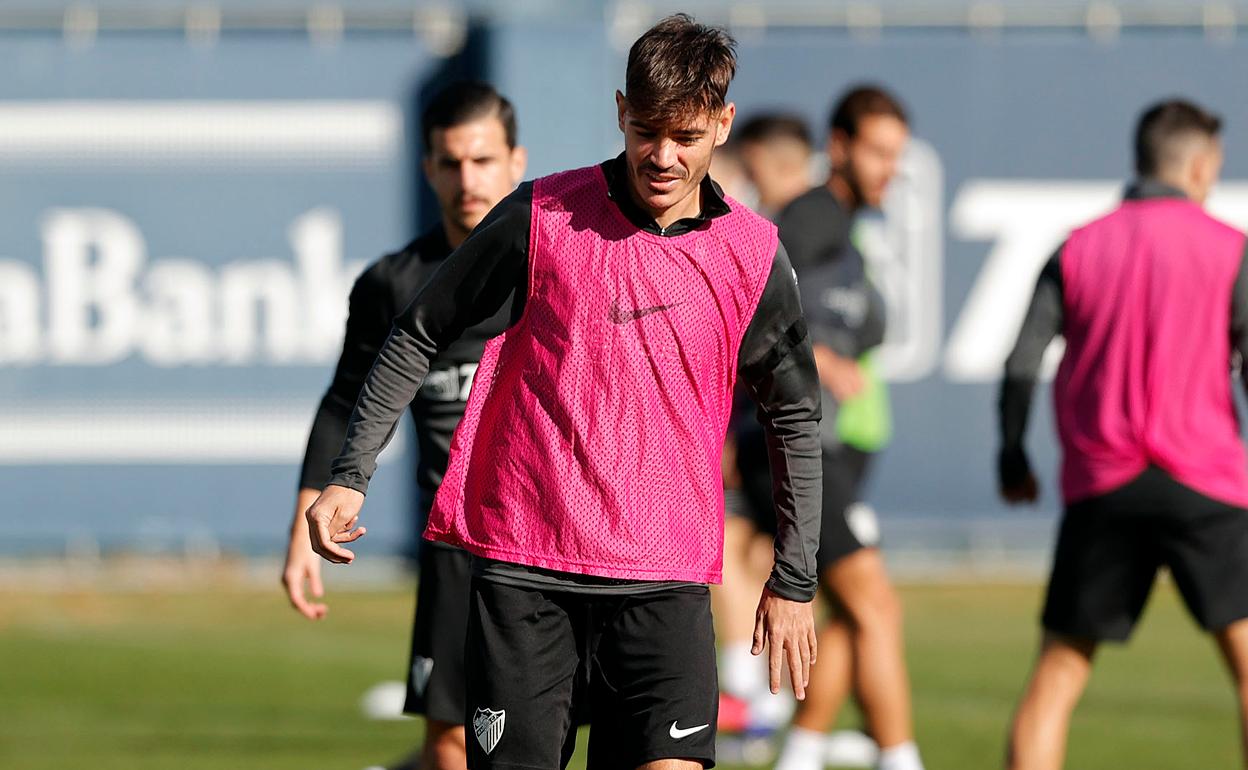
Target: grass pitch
{"points": [[235, 679]]}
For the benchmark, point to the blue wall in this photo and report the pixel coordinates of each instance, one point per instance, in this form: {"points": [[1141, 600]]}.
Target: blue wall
{"points": [[1023, 134]]}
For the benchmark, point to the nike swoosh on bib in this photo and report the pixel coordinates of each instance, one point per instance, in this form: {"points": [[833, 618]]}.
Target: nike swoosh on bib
{"points": [[622, 316], [679, 732]]}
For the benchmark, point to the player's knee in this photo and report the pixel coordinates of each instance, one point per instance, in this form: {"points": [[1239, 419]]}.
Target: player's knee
{"points": [[444, 747], [876, 610], [672, 764]]}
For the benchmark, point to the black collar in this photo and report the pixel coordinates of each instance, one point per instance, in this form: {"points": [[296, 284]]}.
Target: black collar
{"points": [[1146, 189], [713, 203]]}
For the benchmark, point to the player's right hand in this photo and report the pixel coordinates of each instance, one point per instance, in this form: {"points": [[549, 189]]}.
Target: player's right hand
{"points": [[302, 564], [331, 521], [842, 376]]}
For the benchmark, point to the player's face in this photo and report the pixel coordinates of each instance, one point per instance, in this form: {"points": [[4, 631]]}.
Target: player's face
{"points": [[872, 157], [667, 161], [471, 168], [776, 168]]}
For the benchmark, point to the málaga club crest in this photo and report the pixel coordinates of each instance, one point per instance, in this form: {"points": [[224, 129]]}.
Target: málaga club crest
{"points": [[488, 725]]}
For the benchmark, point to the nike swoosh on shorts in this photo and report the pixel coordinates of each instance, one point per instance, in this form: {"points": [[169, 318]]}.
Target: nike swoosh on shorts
{"points": [[683, 732]]}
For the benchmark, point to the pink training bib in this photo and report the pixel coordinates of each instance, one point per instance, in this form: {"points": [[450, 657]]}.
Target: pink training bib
{"points": [[592, 438], [1146, 375]]}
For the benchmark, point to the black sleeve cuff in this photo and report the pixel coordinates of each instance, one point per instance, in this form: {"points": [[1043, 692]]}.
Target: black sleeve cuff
{"points": [[787, 590], [350, 481]]}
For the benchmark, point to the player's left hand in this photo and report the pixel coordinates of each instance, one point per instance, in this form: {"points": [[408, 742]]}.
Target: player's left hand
{"points": [[787, 629], [1016, 483], [331, 521]]}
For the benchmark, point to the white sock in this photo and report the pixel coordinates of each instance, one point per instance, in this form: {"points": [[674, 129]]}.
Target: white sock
{"points": [[850, 748], [803, 750], [772, 711], [742, 674], [903, 756]]}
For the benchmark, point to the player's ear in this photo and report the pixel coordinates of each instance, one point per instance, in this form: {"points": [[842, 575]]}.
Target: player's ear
{"points": [[519, 162], [1211, 166], [426, 165], [723, 126], [621, 108]]}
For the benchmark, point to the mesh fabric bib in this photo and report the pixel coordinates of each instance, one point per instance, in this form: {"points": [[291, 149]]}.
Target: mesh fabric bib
{"points": [[592, 439]]}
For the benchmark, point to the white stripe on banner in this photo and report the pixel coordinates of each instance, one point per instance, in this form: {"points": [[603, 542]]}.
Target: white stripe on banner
{"points": [[162, 434], [140, 134]]}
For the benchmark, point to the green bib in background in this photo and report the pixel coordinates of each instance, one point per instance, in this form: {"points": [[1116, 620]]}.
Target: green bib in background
{"points": [[865, 421]]}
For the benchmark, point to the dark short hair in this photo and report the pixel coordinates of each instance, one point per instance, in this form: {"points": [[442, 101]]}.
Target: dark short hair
{"points": [[864, 101], [464, 102], [1162, 126], [679, 69], [772, 126]]}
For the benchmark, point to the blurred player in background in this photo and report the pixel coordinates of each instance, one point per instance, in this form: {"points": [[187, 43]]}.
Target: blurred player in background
{"points": [[728, 171], [776, 151], [867, 134], [773, 153], [1152, 301], [471, 162], [586, 476]]}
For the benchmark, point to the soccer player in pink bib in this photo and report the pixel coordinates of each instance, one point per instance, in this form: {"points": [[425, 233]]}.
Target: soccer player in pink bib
{"points": [[1152, 300], [585, 476]]}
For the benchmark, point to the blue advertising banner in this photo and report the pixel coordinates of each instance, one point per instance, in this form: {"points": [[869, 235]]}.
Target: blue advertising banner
{"points": [[179, 225]]}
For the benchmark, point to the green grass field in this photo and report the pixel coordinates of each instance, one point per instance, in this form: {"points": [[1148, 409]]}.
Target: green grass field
{"points": [[234, 679]]}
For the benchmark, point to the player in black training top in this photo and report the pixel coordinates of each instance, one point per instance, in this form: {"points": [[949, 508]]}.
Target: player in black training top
{"points": [[545, 634], [868, 131], [773, 152], [471, 162]]}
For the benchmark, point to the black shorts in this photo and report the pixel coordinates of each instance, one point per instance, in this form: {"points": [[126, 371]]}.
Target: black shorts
{"points": [[847, 526], [1110, 547], [435, 673], [643, 665]]}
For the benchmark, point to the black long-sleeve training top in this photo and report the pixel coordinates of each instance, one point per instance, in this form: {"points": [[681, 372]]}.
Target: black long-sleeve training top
{"points": [[491, 267], [382, 290], [1043, 322], [844, 311]]}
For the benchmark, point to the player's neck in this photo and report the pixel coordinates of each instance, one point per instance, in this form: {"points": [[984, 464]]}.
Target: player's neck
{"points": [[455, 235], [841, 189]]}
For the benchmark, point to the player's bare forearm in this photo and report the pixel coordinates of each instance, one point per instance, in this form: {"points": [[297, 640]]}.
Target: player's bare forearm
{"points": [[786, 629], [331, 522], [299, 522]]}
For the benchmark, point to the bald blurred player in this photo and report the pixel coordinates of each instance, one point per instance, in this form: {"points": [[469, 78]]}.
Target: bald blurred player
{"points": [[1152, 301], [471, 162], [868, 132]]}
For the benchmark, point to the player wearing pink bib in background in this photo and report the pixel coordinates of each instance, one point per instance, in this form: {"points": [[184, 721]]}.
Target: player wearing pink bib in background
{"points": [[1152, 301], [585, 476]]}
